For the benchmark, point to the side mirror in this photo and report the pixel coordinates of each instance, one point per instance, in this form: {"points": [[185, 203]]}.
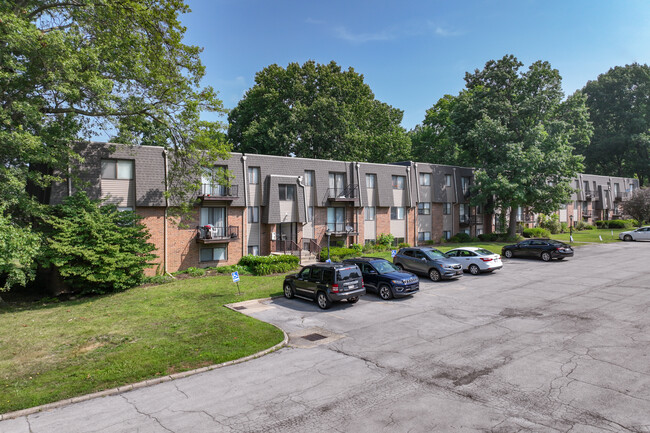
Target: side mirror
{"points": [[423, 259]]}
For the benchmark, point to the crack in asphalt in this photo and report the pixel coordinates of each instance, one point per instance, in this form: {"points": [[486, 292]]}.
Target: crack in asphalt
{"points": [[145, 414]]}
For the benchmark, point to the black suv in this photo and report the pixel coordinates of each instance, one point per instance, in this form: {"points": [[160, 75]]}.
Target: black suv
{"points": [[326, 283], [428, 261], [385, 278]]}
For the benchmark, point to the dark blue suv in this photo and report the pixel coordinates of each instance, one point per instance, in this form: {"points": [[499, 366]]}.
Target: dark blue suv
{"points": [[386, 279]]}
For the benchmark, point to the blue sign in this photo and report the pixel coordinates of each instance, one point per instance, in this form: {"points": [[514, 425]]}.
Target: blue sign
{"points": [[393, 253], [328, 261], [235, 277]]}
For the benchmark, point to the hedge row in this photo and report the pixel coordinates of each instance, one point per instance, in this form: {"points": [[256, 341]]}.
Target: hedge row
{"points": [[265, 265], [615, 224], [536, 232]]}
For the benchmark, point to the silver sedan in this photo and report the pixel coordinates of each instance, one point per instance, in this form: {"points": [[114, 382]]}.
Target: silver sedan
{"points": [[476, 260], [640, 234]]}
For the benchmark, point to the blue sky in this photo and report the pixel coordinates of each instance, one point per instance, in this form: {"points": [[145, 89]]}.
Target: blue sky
{"points": [[411, 53]]}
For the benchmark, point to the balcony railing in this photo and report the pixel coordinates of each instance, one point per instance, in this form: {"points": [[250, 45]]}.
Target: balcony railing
{"points": [[218, 192], [342, 228], [463, 220], [620, 196], [216, 234], [476, 219], [589, 195], [347, 193]]}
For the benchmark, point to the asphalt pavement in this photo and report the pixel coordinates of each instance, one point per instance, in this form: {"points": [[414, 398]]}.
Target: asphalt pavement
{"points": [[542, 347]]}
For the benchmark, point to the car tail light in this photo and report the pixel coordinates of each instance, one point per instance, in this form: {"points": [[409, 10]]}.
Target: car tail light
{"points": [[363, 283], [335, 288], [486, 259]]}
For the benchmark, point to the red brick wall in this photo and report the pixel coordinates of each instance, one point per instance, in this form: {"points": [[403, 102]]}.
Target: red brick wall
{"points": [[411, 232], [436, 223], [154, 218], [383, 220]]}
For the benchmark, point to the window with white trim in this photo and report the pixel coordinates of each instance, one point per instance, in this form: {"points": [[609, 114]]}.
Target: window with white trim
{"points": [[370, 213], [310, 213], [424, 208], [254, 250], [253, 214], [399, 182], [309, 177], [446, 208], [424, 236], [447, 179], [397, 213], [253, 175], [371, 181], [446, 234], [425, 179], [117, 169], [214, 254], [287, 192]]}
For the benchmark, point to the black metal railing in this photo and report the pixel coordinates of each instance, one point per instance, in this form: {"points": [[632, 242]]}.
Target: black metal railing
{"points": [[287, 246], [218, 191], [463, 220], [588, 195], [476, 219], [311, 245], [207, 233], [341, 228], [348, 192]]}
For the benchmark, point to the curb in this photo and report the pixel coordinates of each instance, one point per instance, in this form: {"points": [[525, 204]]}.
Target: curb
{"points": [[143, 384]]}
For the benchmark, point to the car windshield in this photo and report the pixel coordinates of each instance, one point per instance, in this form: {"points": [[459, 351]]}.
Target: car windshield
{"points": [[384, 267], [347, 273], [434, 254], [483, 252]]}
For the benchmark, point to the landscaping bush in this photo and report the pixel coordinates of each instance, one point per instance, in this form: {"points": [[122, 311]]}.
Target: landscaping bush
{"points": [[94, 248], [230, 269], [157, 279], [265, 265], [403, 245], [564, 228], [536, 232], [460, 238], [550, 223], [338, 254], [615, 224], [195, 272], [358, 248], [488, 237], [385, 240], [580, 225]]}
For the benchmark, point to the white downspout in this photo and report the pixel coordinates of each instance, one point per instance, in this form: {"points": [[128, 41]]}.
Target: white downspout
{"points": [[165, 272], [245, 222]]}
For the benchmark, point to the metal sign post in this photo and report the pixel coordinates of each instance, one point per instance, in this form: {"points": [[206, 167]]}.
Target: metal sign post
{"points": [[235, 279]]}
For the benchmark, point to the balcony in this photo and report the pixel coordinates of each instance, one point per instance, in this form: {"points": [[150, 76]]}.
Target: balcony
{"points": [[476, 219], [210, 193], [589, 195], [620, 196], [348, 194], [342, 229], [216, 235], [463, 220]]}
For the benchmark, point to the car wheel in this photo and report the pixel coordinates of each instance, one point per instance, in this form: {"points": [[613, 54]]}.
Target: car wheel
{"points": [[434, 275], [353, 300], [627, 238], [400, 266], [508, 254], [474, 270], [546, 256], [384, 292], [288, 291], [323, 301]]}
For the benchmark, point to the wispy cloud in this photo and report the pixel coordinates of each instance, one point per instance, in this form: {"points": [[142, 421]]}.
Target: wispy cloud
{"points": [[359, 38], [443, 31]]}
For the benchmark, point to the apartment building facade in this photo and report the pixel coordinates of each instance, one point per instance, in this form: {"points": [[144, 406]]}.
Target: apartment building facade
{"points": [[279, 204]]}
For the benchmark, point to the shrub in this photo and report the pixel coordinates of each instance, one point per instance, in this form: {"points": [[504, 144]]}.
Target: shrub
{"points": [[19, 247], [338, 254], [230, 269], [96, 249], [358, 248], [430, 242], [564, 227], [488, 237], [157, 279], [195, 272], [588, 227], [403, 245], [460, 238], [550, 223], [580, 225], [385, 240], [265, 265], [537, 232]]}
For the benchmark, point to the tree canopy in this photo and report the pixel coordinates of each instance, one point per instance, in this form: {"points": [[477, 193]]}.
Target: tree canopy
{"points": [[619, 106], [638, 205], [431, 141], [516, 129], [317, 111], [69, 69]]}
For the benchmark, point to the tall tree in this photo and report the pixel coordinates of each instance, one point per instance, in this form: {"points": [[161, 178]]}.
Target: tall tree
{"points": [[71, 68], [638, 205], [431, 141], [514, 127], [317, 111], [619, 106]]}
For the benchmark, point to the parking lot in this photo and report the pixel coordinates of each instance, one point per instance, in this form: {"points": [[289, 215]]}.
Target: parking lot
{"points": [[558, 346]]}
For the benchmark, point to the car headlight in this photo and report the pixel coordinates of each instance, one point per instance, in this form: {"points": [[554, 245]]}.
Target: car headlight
{"points": [[448, 266]]}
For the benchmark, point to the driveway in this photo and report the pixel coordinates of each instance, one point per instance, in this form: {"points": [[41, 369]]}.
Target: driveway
{"points": [[558, 346]]}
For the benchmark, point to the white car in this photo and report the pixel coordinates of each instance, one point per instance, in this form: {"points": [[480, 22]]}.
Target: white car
{"points": [[476, 260], [640, 234]]}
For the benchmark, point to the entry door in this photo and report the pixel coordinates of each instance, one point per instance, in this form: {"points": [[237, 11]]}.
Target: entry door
{"points": [[287, 232]]}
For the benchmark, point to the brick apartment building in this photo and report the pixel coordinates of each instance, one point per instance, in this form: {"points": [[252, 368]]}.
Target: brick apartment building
{"points": [[278, 204]]}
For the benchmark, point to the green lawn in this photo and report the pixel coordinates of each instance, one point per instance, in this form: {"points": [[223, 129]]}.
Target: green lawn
{"points": [[591, 235], [54, 351]]}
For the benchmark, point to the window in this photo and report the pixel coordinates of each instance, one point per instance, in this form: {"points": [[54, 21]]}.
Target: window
{"points": [[425, 179], [617, 190], [337, 184], [424, 208], [446, 208], [124, 208], [254, 250], [214, 216], [397, 213], [253, 214], [117, 169], [287, 192], [309, 177], [253, 175], [479, 209], [447, 179], [371, 181], [336, 219], [398, 241], [370, 213], [479, 232], [398, 182], [213, 254], [446, 234], [464, 182], [310, 213], [586, 185], [424, 236]]}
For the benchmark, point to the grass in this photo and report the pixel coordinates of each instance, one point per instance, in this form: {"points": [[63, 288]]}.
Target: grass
{"points": [[591, 235], [53, 351]]}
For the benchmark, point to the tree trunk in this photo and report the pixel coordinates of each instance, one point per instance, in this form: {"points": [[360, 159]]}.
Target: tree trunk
{"points": [[512, 227]]}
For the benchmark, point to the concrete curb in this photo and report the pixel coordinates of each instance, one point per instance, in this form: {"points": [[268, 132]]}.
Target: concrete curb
{"points": [[143, 384]]}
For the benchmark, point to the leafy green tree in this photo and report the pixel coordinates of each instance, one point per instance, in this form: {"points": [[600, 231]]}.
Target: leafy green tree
{"points": [[19, 246], [638, 205], [514, 127], [97, 249], [619, 106], [71, 68], [431, 141], [317, 111]]}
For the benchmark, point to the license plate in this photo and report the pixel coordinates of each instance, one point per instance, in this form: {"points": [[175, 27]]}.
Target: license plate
{"points": [[351, 286]]}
